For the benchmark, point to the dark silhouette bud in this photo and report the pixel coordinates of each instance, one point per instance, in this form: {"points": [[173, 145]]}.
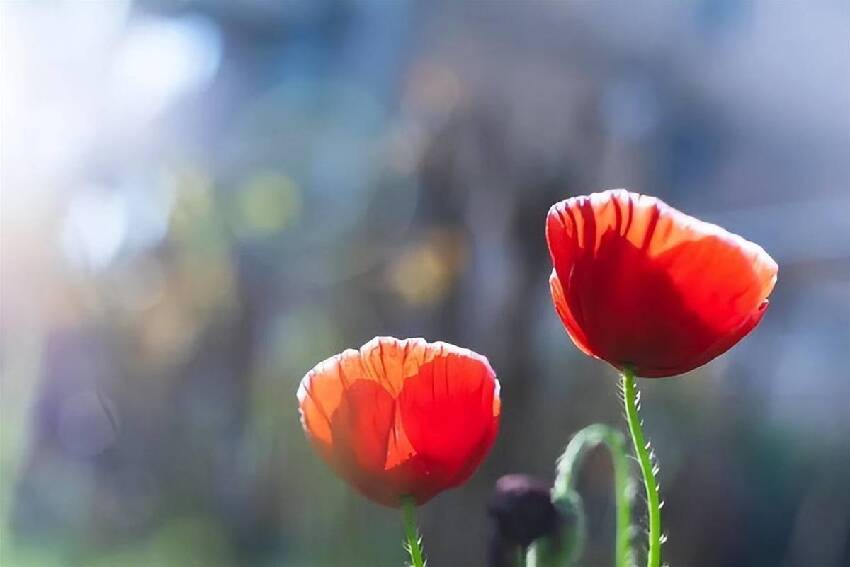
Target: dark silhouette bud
{"points": [[522, 512]]}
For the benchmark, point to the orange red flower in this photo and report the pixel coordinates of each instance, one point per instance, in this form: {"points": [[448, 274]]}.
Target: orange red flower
{"points": [[401, 417], [637, 283]]}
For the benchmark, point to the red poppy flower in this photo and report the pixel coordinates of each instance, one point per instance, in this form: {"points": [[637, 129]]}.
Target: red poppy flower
{"points": [[638, 283], [402, 417]]}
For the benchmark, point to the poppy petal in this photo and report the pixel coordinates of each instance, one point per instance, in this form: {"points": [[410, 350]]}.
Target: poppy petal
{"points": [[361, 437], [570, 324], [360, 407], [639, 283], [450, 413], [384, 360]]}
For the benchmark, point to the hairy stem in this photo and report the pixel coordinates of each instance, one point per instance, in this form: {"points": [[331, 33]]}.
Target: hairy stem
{"points": [[414, 542], [647, 467]]}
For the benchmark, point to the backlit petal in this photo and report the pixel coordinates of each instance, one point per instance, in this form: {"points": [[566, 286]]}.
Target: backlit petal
{"points": [[449, 413], [361, 407], [642, 284]]}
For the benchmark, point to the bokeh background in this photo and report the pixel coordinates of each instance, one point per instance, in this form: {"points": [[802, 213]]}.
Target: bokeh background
{"points": [[200, 200]]}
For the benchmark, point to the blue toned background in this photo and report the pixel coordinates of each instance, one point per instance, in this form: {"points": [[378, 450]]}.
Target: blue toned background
{"points": [[200, 200]]}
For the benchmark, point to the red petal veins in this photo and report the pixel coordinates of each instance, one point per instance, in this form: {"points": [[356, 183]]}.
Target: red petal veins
{"points": [[639, 283], [448, 414], [400, 418]]}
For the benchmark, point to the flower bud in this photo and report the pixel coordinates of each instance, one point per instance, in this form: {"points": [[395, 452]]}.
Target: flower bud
{"points": [[522, 512]]}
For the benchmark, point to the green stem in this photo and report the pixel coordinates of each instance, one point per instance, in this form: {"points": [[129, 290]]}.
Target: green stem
{"points": [[645, 459], [566, 550], [569, 464], [414, 542]]}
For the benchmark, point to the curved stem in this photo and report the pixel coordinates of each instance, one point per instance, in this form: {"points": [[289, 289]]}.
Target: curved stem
{"points": [[414, 542], [647, 467], [565, 550], [568, 466]]}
